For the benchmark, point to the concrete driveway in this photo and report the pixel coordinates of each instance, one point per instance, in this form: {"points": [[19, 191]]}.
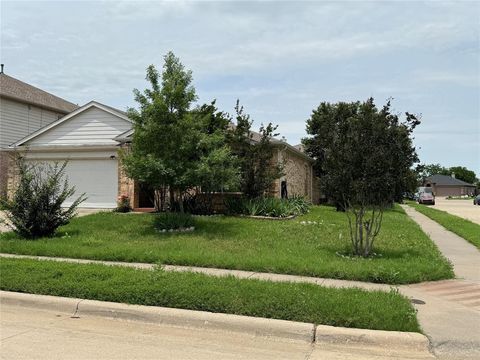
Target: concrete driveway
{"points": [[81, 212], [462, 208], [3, 227]]}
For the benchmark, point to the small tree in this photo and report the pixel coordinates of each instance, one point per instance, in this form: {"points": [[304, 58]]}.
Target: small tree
{"points": [[255, 153], [175, 148], [364, 155], [159, 151], [36, 208]]}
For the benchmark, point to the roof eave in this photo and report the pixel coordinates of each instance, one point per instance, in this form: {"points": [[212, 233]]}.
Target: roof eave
{"points": [[43, 106]]}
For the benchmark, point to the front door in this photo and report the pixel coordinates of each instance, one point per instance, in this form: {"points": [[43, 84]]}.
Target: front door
{"points": [[146, 196]]}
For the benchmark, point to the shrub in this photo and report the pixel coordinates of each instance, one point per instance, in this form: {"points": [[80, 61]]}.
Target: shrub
{"points": [[36, 208], [123, 204], [299, 204], [198, 203], [173, 221], [234, 205]]}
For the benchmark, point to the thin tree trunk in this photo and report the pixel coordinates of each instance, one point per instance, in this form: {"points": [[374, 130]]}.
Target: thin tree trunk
{"points": [[171, 198]]}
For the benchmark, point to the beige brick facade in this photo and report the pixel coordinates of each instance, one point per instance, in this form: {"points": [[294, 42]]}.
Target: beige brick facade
{"points": [[298, 173], [4, 165], [127, 186], [12, 174]]}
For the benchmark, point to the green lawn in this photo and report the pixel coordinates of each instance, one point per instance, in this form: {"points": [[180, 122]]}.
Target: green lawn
{"points": [[462, 227], [290, 301], [405, 253]]}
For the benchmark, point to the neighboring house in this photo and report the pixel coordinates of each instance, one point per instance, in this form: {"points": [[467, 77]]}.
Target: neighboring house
{"points": [[24, 109], [444, 185]]}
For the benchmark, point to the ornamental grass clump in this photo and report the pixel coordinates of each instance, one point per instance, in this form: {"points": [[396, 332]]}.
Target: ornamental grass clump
{"points": [[269, 206], [172, 221]]}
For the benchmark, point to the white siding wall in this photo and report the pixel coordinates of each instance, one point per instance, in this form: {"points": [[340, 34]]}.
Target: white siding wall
{"points": [[93, 126], [17, 120]]}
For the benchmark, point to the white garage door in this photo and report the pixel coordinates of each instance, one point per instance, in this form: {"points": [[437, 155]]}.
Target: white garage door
{"points": [[97, 178]]}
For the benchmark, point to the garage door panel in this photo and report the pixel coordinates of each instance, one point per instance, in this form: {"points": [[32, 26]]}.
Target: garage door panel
{"points": [[97, 178]]}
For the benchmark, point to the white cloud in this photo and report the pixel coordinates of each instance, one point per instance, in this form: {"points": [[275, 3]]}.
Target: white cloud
{"points": [[280, 58]]}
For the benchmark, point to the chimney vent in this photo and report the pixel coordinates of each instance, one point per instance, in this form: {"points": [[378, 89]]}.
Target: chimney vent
{"points": [[1, 68], [453, 175]]}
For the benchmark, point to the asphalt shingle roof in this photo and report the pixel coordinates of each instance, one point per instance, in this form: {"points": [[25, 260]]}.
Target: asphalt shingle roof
{"points": [[447, 180], [18, 90]]}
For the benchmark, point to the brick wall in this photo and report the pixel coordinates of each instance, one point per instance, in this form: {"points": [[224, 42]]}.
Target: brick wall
{"points": [[12, 175], [298, 174], [127, 186], [4, 164]]}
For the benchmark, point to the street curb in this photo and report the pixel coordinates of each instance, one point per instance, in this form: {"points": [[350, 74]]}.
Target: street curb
{"points": [[402, 341], [202, 320]]}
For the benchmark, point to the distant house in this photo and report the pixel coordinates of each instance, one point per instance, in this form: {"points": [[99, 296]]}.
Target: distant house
{"points": [[444, 185], [23, 110]]}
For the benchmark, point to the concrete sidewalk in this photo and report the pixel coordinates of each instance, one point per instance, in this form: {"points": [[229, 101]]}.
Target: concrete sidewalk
{"points": [[242, 274], [451, 314], [464, 257]]}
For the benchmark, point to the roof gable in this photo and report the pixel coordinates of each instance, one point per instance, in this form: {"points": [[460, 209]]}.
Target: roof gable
{"points": [[20, 91], [92, 124]]}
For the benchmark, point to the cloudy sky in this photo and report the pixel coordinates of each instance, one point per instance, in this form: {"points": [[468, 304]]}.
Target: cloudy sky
{"points": [[281, 59]]}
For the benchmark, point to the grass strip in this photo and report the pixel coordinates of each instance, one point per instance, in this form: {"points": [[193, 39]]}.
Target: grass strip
{"points": [[289, 301], [462, 227], [310, 245]]}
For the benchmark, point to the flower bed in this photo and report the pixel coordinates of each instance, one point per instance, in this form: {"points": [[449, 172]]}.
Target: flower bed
{"points": [[174, 222], [268, 207]]}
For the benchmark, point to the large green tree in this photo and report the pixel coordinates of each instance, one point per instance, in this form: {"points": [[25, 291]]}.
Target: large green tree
{"points": [[462, 173], [255, 153], [425, 170], [175, 147], [364, 156]]}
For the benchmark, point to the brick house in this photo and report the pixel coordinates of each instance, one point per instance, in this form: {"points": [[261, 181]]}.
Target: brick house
{"points": [[444, 185], [297, 167], [90, 137]]}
